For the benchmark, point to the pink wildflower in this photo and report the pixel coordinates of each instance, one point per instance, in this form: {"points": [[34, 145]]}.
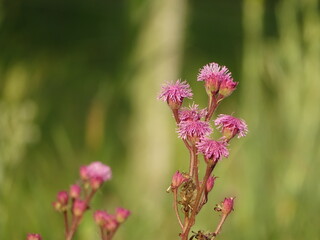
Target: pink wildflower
{"points": [[227, 87], [100, 217], [174, 93], [226, 207], [79, 207], [177, 179], [192, 113], [122, 214], [99, 170], [193, 130], [231, 126], [213, 150], [34, 236], [213, 75], [61, 204], [75, 191], [84, 173]]}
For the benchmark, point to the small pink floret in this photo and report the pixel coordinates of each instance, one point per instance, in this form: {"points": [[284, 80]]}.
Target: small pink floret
{"points": [[63, 197], [34, 236], [99, 170], [231, 125], [100, 217], [79, 207], [213, 150], [193, 129], [193, 113], [174, 92], [75, 191], [122, 214]]}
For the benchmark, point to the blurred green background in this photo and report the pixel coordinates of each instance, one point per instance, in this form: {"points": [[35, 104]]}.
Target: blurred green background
{"points": [[78, 83]]}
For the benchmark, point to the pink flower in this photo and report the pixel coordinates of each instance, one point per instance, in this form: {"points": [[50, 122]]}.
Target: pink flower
{"points": [[174, 93], [79, 207], [84, 173], [100, 217], [213, 150], [122, 214], [210, 183], [34, 236], [75, 191], [227, 87], [177, 179], [99, 170], [193, 130], [192, 113], [231, 126], [213, 75]]}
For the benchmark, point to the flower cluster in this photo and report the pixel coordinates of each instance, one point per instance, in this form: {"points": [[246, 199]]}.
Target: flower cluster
{"points": [[74, 203], [194, 129], [109, 223]]}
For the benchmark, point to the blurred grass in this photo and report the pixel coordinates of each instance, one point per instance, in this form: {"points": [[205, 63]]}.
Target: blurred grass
{"points": [[78, 83]]}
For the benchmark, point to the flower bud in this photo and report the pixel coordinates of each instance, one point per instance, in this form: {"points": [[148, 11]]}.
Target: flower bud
{"points": [[100, 217], [227, 205], [122, 214], [34, 236], [177, 179], [63, 198], [84, 173], [210, 183], [111, 223], [227, 87], [75, 191], [96, 182], [79, 207]]}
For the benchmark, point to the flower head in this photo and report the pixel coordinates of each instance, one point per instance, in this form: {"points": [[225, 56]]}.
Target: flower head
{"points": [[213, 74], [227, 87], [99, 170], [174, 93], [192, 113], [122, 214], [231, 126], [177, 179], [34, 236], [79, 207], [193, 130], [226, 207], [212, 150], [111, 223], [61, 204]]}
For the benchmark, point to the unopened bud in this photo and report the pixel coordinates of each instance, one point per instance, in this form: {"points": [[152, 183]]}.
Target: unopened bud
{"points": [[84, 173], [122, 214], [34, 236], [79, 207], [227, 87], [96, 182], [75, 191], [111, 223], [210, 183], [100, 217], [177, 179]]}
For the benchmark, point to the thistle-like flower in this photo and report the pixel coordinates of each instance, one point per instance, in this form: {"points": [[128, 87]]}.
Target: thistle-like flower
{"points": [[193, 113], [99, 170], [231, 126], [193, 130], [212, 150], [213, 74], [174, 93]]}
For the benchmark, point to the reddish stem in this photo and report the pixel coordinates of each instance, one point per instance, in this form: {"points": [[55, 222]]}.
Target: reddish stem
{"points": [[218, 229], [212, 107], [175, 206], [66, 224]]}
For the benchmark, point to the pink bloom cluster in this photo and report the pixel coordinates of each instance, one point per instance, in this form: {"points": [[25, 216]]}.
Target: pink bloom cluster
{"points": [[109, 223], [194, 129], [217, 79]]}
